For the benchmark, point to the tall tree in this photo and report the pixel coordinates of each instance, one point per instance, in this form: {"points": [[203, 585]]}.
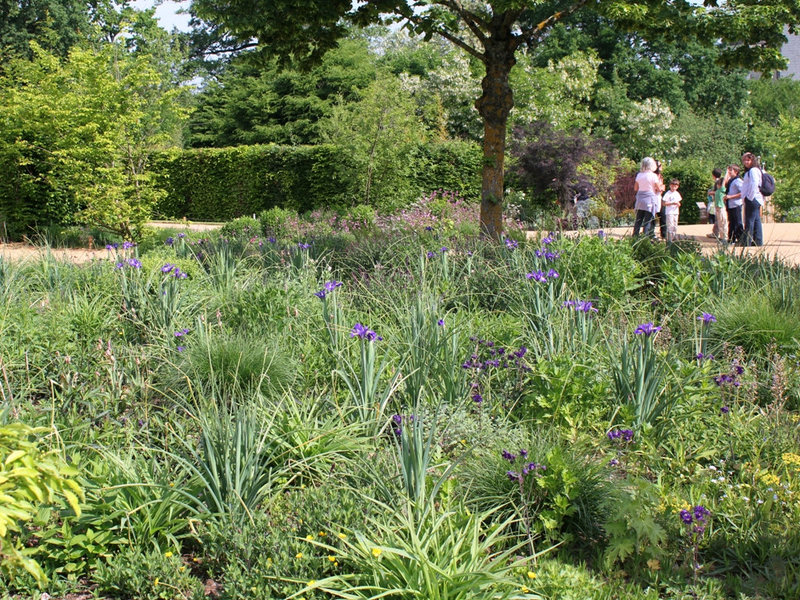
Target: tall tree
{"points": [[492, 32], [55, 25]]}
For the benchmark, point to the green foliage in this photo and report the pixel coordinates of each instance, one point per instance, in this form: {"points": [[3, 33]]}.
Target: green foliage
{"points": [[599, 268], [566, 501], [242, 228], [279, 552], [275, 221], [55, 26], [449, 554], [221, 184], [755, 322], [151, 575], [377, 133], [787, 159], [634, 533], [31, 478], [100, 115], [255, 103]]}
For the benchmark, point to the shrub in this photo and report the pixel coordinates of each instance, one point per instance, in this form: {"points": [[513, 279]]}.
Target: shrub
{"points": [[224, 183], [275, 221], [241, 227]]}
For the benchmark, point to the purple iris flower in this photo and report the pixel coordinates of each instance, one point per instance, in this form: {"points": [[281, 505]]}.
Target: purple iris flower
{"points": [[646, 329], [707, 318], [364, 333], [537, 276]]}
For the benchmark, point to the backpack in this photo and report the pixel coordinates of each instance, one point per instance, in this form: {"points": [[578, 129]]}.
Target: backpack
{"points": [[767, 187]]}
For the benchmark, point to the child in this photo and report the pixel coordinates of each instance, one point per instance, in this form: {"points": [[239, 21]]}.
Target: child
{"points": [[721, 225], [672, 202], [711, 204]]}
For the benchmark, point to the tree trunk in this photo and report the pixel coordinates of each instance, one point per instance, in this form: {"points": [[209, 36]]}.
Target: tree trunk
{"points": [[494, 106]]}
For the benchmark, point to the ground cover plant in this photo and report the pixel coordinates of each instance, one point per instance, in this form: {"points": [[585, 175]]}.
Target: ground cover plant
{"points": [[366, 406]]}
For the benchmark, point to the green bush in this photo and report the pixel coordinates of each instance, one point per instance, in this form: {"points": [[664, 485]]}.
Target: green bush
{"points": [[241, 227], [275, 221], [30, 479]]}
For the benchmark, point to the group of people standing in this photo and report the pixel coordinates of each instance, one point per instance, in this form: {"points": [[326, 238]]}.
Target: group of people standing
{"points": [[730, 194]]}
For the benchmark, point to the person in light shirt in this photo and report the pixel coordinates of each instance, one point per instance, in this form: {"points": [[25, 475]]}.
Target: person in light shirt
{"points": [[753, 201], [648, 187], [672, 204]]}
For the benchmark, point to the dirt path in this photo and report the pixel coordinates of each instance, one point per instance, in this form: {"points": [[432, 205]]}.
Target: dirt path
{"points": [[780, 239]]}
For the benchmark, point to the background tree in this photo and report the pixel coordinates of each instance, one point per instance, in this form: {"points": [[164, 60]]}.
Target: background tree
{"points": [[378, 134], [548, 162], [249, 103], [492, 33], [56, 25], [76, 138]]}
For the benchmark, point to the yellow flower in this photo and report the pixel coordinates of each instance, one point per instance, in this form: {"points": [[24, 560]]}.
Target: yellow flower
{"points": [[770, 479], [790, 458], [309, 537], [312, 582], [299, 555], [155, 581], [332, 558], [181, 568], [531, 575], [321, 534], [524, 590], [376, 552], [342, 536], [167, 554], [653, 564], [269, 560]]}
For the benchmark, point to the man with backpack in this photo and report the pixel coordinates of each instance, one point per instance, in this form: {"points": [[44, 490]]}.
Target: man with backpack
{"points": [[753, 200]]}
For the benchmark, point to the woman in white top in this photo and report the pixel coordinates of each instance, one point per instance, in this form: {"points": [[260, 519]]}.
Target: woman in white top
{"points": [[753, 200], [648, 187]]}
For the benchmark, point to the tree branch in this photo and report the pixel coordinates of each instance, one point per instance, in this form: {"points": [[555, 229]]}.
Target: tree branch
{"points": [[455, 40], [534, 33], [473, 21]]}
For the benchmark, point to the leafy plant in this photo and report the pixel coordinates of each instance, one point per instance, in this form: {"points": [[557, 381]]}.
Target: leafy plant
{"points": [[30, 477], [441, 555]]}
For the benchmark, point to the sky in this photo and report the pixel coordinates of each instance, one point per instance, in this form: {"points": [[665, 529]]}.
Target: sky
{"points": [[166, 13]]}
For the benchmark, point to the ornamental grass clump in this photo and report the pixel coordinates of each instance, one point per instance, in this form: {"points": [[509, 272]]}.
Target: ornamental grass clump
{"points": [[435, 554]]}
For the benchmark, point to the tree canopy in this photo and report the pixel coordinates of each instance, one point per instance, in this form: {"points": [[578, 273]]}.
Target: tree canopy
{"points": [[492, 32]]}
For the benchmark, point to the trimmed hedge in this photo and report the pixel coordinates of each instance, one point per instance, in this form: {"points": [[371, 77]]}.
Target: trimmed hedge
{"points": [[219, 184]]}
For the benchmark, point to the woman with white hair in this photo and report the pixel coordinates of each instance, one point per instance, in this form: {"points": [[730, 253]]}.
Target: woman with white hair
{"points": [[648, 187]]}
